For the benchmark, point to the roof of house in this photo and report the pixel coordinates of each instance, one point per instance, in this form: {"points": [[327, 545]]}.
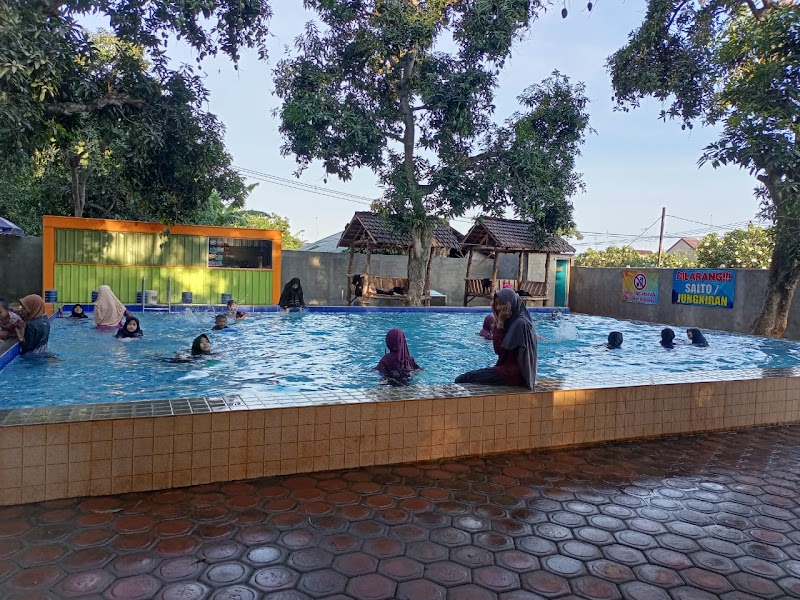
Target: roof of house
{"points": [[689, 241], [326, 244], [510, 235], [370, 229]]}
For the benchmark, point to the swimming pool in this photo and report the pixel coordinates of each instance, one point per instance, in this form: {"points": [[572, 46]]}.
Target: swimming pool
{"points": [[276, 353]]}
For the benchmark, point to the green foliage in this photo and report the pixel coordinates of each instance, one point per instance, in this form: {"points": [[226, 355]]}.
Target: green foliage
{"points": [[734, 63], [372, 88], [749, 248], [219, 214]]}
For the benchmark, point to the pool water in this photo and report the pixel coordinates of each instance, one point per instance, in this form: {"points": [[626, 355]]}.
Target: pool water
{"points": [[316, 351]]}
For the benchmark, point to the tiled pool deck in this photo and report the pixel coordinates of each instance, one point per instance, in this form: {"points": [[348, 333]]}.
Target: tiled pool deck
{"points": [[690, 518]]}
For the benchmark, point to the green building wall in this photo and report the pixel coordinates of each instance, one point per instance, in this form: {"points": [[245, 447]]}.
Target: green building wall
{"points": [[87, 259]]}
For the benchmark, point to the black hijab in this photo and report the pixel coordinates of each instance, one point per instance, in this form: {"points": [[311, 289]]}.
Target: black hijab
{"points": [[81, 315], [520, 335], [123, 332], [698, 339], [667, 338], [292, 297], [614, 340], [196, 351]]}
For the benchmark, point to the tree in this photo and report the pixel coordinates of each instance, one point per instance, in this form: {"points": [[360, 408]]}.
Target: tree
{"points": [[626, 256], [749, 248], [735, 64], [90, 95], [373, 88]]}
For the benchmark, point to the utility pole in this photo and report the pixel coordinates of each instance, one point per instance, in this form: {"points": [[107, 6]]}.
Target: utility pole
{"points": [[661, 235]]}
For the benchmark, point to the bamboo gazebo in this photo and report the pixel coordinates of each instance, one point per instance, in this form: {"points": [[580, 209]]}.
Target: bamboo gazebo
{"points": [[368, 232], [493, 236]]}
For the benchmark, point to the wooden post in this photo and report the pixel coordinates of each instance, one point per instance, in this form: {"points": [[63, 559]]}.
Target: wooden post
{"points": [[546, 279], [350, 273], [494, 268], [466, 278], [520, 278], [427, 291]]}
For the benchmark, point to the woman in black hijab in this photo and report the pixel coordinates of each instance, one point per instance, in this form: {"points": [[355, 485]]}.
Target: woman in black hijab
{"points": [[292, 296], [201, 345], [614, 340], [131, 329], [667, 338], [697, 337]]}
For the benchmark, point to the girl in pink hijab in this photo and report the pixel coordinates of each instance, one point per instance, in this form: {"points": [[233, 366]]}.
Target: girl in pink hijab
{"points": [[398, 362], [489, 323]]}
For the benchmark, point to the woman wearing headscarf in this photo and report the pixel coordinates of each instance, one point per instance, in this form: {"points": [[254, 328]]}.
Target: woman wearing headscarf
{"points": [[614, 340], [667, 338], [514, 341], [131, 329], [34, 333], [108, 310], [488, 327], [697, 337], [398, 362], [78, 312], [292, 296]]}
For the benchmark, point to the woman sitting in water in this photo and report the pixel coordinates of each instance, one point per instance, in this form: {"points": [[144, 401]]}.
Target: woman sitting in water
{"points": [[397, 364], [614, 340], [78, 312], [131, 329], [292, 296], [667, 338], [514, 341], [34, 333], [108, 310], [697, 337], [488, 327]]}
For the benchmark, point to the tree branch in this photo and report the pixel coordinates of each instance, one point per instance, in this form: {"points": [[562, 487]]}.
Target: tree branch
{"points": [[395, 137], [423, 107], [51, 7], [67, 109]]}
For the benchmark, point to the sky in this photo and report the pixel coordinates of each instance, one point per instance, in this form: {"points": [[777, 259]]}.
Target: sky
{"points": [[632, 166]]}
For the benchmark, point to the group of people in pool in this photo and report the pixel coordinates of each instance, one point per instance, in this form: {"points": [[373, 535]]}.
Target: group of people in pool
{"points": [[696, 338]]}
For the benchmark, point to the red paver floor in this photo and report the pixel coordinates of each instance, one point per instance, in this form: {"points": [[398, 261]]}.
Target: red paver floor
{"points": [[692, 518]]}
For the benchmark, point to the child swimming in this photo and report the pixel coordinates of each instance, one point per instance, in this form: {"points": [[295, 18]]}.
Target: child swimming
{"points": [[220, 322], [233, 312], [78, 312], [131, 329]]}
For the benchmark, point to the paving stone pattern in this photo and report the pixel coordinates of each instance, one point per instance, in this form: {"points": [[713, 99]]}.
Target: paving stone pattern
{"points": [[693, 518]]}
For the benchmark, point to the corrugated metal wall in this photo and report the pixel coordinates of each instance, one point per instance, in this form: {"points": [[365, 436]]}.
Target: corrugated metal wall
{"points": [[75, 283], [115, 248], [87, 259]]}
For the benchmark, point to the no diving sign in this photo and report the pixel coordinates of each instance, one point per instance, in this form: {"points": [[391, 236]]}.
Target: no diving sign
{"points": [[640, 287]]}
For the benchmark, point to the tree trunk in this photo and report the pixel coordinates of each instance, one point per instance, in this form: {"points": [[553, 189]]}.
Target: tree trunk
{"points": [[784, 275], [418, 255], [78, 183]]}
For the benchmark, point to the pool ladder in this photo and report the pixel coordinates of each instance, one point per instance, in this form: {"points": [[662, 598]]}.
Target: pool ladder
{"points": [[157, 308]]}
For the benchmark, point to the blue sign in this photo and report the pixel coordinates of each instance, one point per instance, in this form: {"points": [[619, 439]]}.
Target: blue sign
{"points": [[703, 287]]}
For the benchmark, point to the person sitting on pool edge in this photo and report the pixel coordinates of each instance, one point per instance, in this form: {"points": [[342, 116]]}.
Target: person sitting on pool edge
{"points": [[108, 310], [697, 337], [220, 322], [514, 340], [614, 340], [397, 364], [233, 312], [34, 332], [667, 338], [9, 321], [78, 312], [131, 329], [292, 296]]}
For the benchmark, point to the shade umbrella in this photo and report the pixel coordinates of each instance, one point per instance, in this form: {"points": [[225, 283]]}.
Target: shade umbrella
{"points": [[8, 228]]}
